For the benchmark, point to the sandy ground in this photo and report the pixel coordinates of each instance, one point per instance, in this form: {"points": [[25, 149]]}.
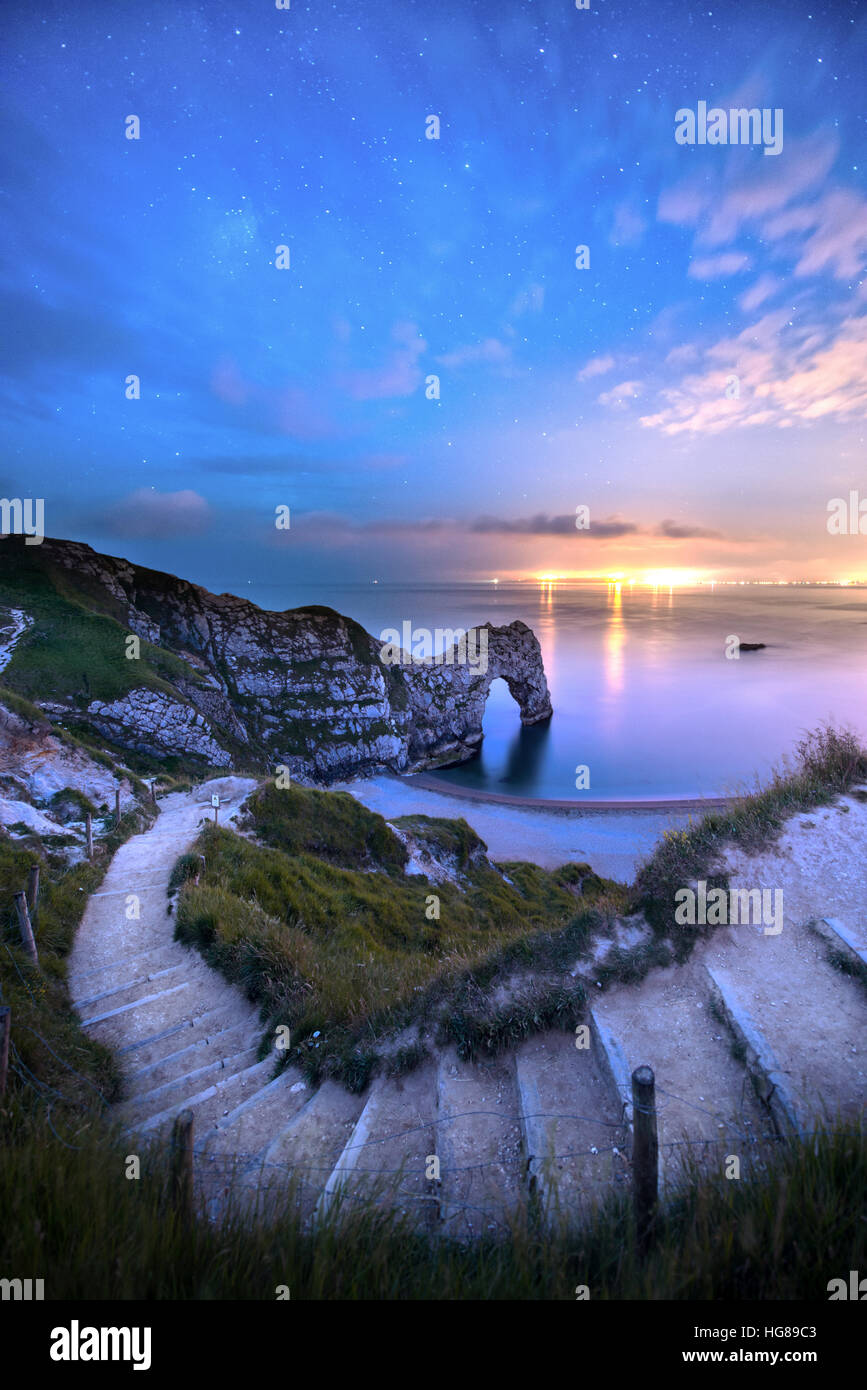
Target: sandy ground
{"points": [[612, 842], [819, 864]]}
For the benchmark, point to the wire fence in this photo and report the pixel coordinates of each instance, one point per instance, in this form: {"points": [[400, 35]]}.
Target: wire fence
{"points": [[488, 1191]]}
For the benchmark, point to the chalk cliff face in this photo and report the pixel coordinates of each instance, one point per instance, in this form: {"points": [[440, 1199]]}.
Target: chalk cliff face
{"points": [[306, 688]]}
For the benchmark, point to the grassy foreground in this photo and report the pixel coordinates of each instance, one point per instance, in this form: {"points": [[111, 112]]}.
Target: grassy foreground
{"points": [[321, 926], [75, 1219], [73, 1216]]}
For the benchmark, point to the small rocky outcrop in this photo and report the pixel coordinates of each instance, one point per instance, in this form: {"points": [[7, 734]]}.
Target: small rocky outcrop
{"points": [[447, 701]]}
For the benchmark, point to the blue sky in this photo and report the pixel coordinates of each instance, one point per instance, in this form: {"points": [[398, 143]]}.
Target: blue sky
{"points": [[410, 257]]}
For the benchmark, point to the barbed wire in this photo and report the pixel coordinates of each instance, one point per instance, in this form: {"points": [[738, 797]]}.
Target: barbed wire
{"points": [[69, 1067], [20, 976]]}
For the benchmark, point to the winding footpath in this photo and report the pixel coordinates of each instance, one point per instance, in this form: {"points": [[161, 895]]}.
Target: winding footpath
{"points": [[756, 1036]]}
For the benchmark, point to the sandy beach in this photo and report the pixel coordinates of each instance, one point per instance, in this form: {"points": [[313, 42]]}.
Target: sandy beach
{"points": [[613, 841]]}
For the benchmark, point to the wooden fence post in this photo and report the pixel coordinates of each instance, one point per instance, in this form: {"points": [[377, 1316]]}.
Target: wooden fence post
{"points": [[182, 1164], [645, 1154], [27, 938], [89, 821], [33, 888], [117, 808], [154, 790], [5, 1025]]}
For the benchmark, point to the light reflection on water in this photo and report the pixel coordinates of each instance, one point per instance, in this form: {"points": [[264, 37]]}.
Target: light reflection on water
{"points": [[642, 691]]}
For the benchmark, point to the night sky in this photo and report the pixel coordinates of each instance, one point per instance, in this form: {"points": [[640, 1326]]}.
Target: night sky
{"points": [[412, 257]]}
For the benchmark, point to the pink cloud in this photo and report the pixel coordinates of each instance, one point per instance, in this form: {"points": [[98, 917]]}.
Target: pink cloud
{"points": [[629, 226], [824, 231], [784, 377], [756, 295], [619, 395], [228, 384], [288, 409], [720, 212], [146, 514], [712, 267], [400, 375], [839, 241], [597, 366]]}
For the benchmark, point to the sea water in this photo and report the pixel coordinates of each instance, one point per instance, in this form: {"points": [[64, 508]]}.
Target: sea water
{"points": [[644, 694]]}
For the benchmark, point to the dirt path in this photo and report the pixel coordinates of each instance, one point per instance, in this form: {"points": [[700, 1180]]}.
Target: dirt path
{"points": [[152, 999]]}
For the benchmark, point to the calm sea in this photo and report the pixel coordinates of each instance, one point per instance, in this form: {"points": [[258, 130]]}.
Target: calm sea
{"points": [[643, 693]]}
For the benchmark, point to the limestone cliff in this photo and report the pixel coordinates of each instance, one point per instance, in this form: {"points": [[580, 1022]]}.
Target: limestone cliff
{"points": [[234, 684]]}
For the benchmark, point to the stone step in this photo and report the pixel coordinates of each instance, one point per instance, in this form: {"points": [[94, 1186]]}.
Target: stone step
{"points": [[479, 1144], [613, 1065], [209, 1104], [146, 998], [87, 981], [770, 1082], [147, 1103], [576, 1138], [705, 1104], [129, 990], [849, 942], [810, 1017], [233, 1151], [200, 991], [387, 1156], [155, 1047], [308, 1147], [251, 1126], [184, 1059]]}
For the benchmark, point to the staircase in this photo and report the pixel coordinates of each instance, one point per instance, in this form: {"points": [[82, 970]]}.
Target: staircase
{"points": [[754, 1037]]}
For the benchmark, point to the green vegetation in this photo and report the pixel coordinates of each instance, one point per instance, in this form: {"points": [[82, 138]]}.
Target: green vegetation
{"points": [[781, 1236], [52, 1062], [25, 708], [323, 928], [72, 653], [287, 918], [331, 826], [70, 804]]}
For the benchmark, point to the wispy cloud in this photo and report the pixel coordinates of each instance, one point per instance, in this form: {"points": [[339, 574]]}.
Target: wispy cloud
{"points": [[782, 377], [542, 525], [399, 375], [620, 395], [683, 530], [490, 350], [149, 515], [597, 366], [712, 267], [628, 227], [284, 409], [720, 209], [765, 288]]}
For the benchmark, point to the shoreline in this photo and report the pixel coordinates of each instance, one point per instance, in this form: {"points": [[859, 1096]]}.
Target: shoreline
{"points": [[614, 840], [540, 803]]}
